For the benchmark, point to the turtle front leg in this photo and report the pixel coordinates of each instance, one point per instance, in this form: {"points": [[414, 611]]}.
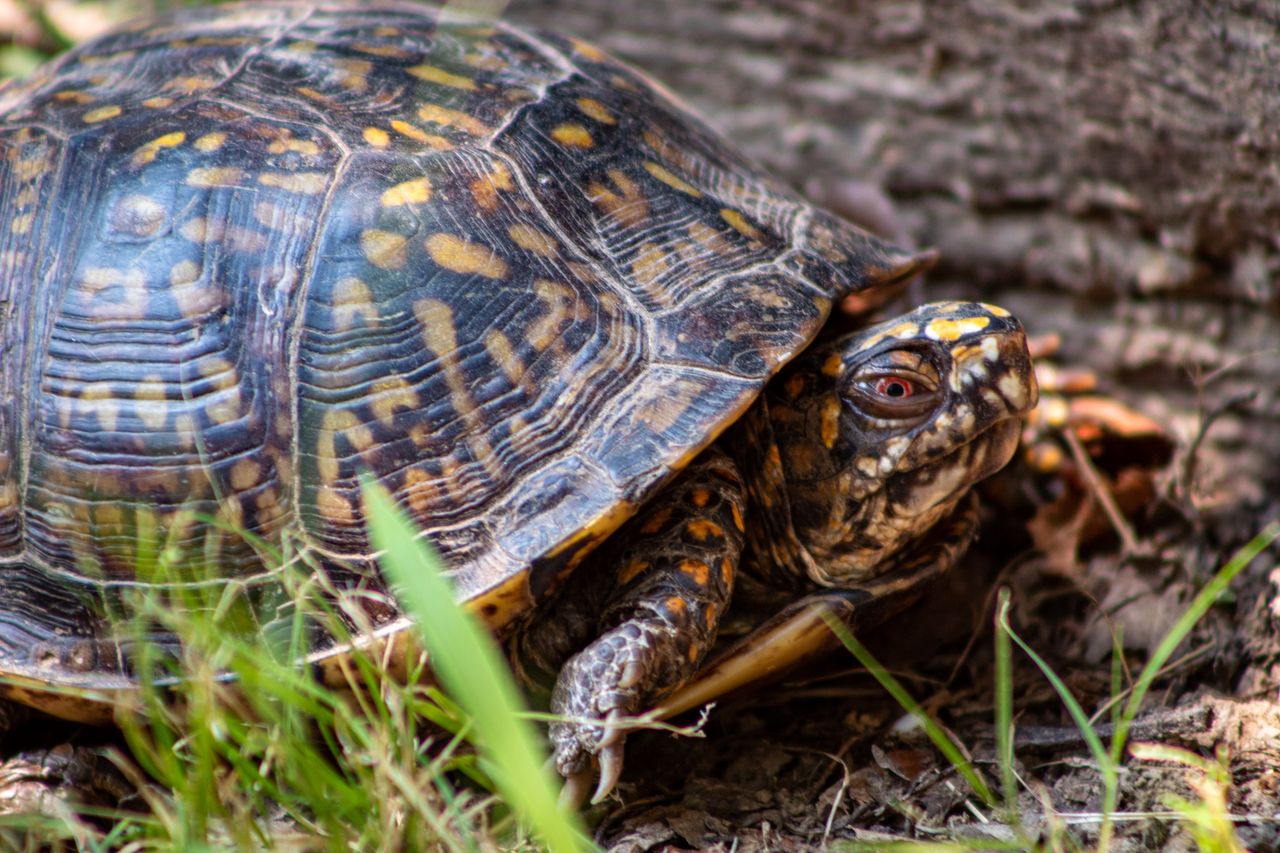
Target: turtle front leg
{"points": [[654, 595]]}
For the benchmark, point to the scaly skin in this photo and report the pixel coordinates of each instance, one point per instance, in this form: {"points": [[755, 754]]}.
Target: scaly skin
{"points": [[850, 460]]}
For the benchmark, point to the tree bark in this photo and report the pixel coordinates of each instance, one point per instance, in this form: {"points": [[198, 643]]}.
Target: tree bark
{"points": [[1106, 169]]}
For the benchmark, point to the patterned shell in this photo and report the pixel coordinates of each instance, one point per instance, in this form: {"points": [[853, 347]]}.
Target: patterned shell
{"points": [[248, 253]]}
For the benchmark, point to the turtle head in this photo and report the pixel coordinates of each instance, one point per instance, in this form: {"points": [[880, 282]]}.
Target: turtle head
{"points": [[881, 432]]}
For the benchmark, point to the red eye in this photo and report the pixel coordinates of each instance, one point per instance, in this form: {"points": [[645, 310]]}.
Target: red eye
{"points": [[894, 388]]}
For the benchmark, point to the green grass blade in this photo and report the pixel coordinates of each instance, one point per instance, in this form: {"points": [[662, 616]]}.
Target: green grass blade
{"points": [[1003, 690], [1200, 605], [472, 670], [895, 689]]}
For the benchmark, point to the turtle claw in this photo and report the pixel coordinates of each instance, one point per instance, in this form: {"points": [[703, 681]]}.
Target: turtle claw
{"points": [[574, 792], [610, 771]]}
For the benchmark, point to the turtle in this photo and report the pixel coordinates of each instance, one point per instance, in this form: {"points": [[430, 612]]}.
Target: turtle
{"points": [[254, 253]]}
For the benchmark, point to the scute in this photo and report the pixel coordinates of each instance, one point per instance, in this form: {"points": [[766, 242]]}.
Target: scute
{"points": [[254, 252]]}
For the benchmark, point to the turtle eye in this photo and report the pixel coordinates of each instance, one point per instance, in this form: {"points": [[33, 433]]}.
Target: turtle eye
{"points": [[897, 386], [894, 387]]}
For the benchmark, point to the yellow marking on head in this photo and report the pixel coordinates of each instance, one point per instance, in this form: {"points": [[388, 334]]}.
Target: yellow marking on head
{"points": [[147, 152], [995, 310], [390, 395], [96, 399], [943, 329], [308, 183], [739, 223], [102, 114], [502, 353], [334, 508], [533, 239], [377, 137], [702, 530], [593, 109], [631, 571], [150, 402], [656, 519], [211, 141], [572, 135], [440, 77], [217, 176], [415, 191], [384, 249], [454, 253], [674, 181], [245, 475], [352, 303], [417, 134], [446, 117]]}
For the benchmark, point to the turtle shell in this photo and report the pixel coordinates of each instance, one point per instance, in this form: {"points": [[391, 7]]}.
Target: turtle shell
{"points": [[249, 253]]}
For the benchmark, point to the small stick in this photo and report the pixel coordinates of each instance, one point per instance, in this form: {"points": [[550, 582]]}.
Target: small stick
{"points": [[1100, 489]]}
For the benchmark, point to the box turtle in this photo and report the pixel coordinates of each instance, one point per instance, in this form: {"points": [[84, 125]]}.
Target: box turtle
{"points": [[251, 253]]}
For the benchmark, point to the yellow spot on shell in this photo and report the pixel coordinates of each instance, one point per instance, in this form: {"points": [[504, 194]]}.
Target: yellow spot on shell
{"points": [[572, 135], [737, 517], [484, 189], [218, 176], [158, 103], [211, 141], [73, 96], [503, 355], [739, 223], [439, 76], [377, 137], [829, 422], [21, 224], [675, 606], [671, 179], [415, 191], [245, 475], [96, 399], [446, 117], [587, 51], [595, 110], [384, 249], [151, 405], [308, 183], [147, 153], [338, 422], [389, 396], [458, 255], [102, 114], [700, 497], [334, 508], [951, 330], [532, 239], [352, 304], [417, 134]]}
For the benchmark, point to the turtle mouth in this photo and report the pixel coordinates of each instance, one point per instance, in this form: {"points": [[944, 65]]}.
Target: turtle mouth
{"points": [[945, 480]]}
